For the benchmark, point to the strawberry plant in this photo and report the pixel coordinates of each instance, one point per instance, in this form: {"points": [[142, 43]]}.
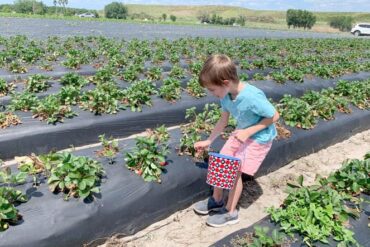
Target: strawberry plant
{"points": [[316, 212], [244, 64], [322, 105], [201, 123], [194, 88], [5, 88], [196, 67], [17, 67], [51, 110], [296, 112], [7, 119], [9, 179], [177, 72], [32, 165], [170, 90], [358, 93], [340, 102], [293, 74], [261, 237], [9, 196], [160, 134], [69, 95], [105, 98], [8, 214], [272, 62], [259, 64], [23, 101], [278, 76], [154, 73], [174, 58], [189, 136], [131, 73], [37, 83], [75, 58], [73, 79], [323, 71], [138, 94], [103, 75], [243, 76], [258, 77], [149, 155], [46, 66], [75, 176], [352, 178], [158, 57], [110, 148]]}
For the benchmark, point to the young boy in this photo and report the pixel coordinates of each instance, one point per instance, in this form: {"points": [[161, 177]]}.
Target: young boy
{"points": [[250, 142]]}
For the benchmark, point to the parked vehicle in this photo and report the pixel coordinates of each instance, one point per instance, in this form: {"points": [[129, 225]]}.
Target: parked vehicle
{"points": [[361, 29], [88, 15]]}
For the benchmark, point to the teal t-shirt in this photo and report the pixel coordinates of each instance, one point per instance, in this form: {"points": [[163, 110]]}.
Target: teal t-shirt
{"points": [[248, 108]]}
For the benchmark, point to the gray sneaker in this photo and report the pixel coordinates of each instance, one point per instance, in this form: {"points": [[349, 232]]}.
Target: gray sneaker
{"points": [[223, 218], [207, 205]]}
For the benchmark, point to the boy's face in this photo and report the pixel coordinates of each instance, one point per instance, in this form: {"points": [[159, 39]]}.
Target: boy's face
{"points": [[218, 91]]}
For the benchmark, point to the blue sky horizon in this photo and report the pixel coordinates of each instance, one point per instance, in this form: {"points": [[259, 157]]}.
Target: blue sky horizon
{"points": [[312, 5]]}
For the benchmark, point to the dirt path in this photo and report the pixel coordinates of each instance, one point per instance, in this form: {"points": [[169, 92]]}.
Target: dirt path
{"points": [[185, 228]]}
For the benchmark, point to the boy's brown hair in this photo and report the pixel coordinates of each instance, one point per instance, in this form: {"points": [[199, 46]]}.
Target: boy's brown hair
{"points": [[216, 69]]}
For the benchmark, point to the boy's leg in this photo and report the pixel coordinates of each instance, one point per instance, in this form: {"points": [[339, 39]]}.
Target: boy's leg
{"points": [[213, 203], [234, 194], [228, 215], [218, 194]]}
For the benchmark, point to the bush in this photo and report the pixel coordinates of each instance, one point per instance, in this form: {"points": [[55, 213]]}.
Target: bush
{"points": [[173, 18], [216, 19], [164, 17], [343, 23], [115, 10], [300, 18], [141, 16], [29, 7], [6, 8], [241, 20]]}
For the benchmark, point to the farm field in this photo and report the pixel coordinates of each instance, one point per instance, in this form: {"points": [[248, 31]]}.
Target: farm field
{"points": [[39, 28], [89, 90]]}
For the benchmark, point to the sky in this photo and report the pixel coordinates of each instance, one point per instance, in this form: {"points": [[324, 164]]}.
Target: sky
{"points": [[313, 5]]}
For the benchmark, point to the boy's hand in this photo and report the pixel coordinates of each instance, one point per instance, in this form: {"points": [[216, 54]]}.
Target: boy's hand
{"points": [[201, 145], [241, 135]]}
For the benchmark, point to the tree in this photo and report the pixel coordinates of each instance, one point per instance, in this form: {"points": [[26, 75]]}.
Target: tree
{"points": [[63, 3], [29, 7], [204, 17], [164, 17], [343, 23], [241, 20], [115, 10], [300, 18], [173, 18], [7, 8]]}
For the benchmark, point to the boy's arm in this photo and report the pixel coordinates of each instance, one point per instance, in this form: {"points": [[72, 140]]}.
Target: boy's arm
{"points": [[220, 126], [244, 134]]}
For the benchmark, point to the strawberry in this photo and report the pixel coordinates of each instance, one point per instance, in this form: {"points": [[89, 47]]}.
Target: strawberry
{"points": [[164, 163]]}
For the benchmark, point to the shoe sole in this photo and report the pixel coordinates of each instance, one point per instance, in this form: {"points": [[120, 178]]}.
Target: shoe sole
{"points": [[206, 212], [231, 222]]}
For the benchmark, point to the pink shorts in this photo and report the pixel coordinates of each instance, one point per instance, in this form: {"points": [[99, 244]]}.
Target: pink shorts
{"points": [[251, 153]]}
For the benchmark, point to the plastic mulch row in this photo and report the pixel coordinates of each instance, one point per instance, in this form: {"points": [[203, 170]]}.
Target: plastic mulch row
{"points": [[127, 204]]}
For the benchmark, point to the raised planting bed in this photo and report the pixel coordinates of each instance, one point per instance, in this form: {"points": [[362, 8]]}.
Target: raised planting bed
{"points": [[38, 136], [281, 60], [333, 212], [127, 204]]}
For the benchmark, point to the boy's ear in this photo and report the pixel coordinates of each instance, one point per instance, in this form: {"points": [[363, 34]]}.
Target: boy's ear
{"points": [[226, 82]]}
